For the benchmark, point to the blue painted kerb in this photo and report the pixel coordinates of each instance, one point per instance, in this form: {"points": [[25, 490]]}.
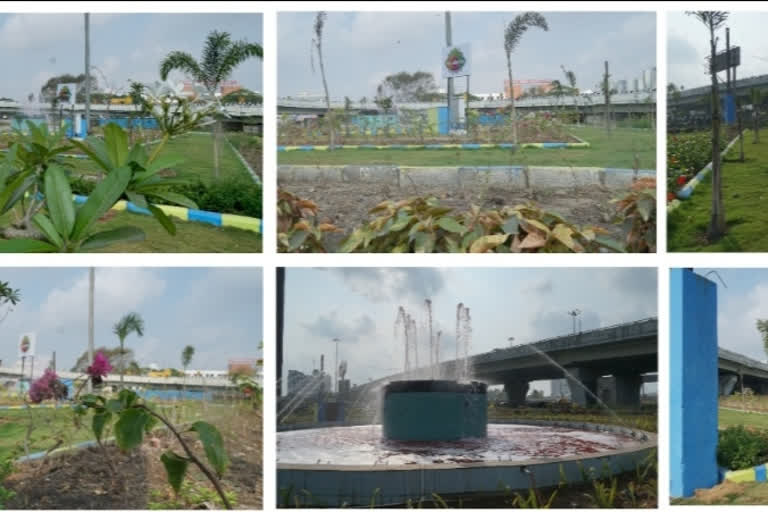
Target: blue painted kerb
{"points": [[693, 383]]}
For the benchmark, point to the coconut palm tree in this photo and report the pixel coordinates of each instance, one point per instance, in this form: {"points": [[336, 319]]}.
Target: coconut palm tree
{"points": [[128, 324], [570, 77], [714, 20], [512, 35], [219, 59], [8, 297], [186, 357], [317, 43]]}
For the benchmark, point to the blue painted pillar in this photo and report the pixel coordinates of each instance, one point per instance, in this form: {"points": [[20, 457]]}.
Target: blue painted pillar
{"points": [[693, 382]]}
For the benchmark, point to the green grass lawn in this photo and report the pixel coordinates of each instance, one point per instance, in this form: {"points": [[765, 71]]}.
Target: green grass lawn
{"points": [[730, 418], [745, 189], [617, 150], [54, 425], [196, 150], [191, 237]]}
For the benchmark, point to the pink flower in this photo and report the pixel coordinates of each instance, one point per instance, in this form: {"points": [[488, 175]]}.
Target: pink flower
{"points": [[47, 387], [100, 366]]}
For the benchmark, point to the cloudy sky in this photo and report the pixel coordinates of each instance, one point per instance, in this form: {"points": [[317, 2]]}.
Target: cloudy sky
{"points": [[35, 47], [688, 45], [361, 48], [218, 311], [359, 306], [740, 305]]}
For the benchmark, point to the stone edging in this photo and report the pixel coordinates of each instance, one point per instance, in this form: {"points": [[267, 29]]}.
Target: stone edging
{"points": [[469, 146]]}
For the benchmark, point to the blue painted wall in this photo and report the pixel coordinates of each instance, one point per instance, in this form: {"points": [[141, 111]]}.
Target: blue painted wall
{"points": [[692, 383], [729, 109], [148, 123]]}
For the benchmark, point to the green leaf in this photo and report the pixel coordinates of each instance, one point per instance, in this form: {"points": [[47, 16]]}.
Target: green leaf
{"points": [[114, 405], [45, 225], [96, 150], [646, 206], [352, 241], [160, 163], [175, 468], [100, 420], [137, 199], [129, 429], [164, 220], [116, 141], [451, 225], [58, 199], [213, 445], [113, 236], [610, 243], [423, 242], [512, 225], [175, 198], [103, 197], [92, 400], [26, 245], [297, 239], [15, 190], [487, 242], [127, 397], [401, 222]]}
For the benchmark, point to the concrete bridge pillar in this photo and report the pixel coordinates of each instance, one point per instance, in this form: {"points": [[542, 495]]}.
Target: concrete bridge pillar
{"points": [[516, 390], [727, 383], [586, 379], [628, 389]]}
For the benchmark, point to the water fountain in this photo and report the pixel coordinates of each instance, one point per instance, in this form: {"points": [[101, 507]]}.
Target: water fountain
{"points": [[432, 436]]}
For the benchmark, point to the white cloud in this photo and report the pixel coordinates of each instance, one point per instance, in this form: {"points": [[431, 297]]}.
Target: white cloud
{"points": [[39, 31]]}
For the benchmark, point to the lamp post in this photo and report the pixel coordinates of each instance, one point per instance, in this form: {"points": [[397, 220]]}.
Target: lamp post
{"points": [[574, 313], [336, 366], [511, 339]]}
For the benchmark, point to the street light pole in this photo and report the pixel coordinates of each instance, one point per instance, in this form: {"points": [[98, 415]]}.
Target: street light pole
{"points": [[87, 76], [449, 42], [91, 282], [336, 366], [574, 313]]}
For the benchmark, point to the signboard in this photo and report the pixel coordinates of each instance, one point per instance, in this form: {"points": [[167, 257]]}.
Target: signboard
{"points": [[27, 343], [456, 61], [721, 59], [66, 93]]}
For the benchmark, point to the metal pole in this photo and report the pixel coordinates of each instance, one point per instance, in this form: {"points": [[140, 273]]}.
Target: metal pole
{"points": [[91, 285], [280, 307], [449, 42], [87, 74], [336, 367]]}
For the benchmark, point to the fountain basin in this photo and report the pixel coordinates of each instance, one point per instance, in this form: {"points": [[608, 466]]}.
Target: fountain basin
{"points": [[353, 465], [434, 410]]}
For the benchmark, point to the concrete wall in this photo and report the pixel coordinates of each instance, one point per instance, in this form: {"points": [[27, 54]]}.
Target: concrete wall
{"points": [[693, 383]]}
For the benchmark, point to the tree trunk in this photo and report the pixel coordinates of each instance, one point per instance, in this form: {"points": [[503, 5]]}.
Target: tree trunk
{"points": [[717, 219], [122, 361], [607, 93], [327, 97], [216, 171], [512, 99], [755, 123]]}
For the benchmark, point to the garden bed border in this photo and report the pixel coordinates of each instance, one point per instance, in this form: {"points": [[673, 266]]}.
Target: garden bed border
{"points": [[466, 145], [687, 191], [189, 214]]}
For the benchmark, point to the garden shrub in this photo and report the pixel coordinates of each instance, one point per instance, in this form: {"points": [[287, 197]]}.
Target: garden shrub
{"points": [[739, 448], [6, 468], [238, 196], [687, 154]]}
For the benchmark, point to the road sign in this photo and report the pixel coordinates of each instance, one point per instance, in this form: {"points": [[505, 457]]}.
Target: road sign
{"points": [[721, 59], [27, 344]]}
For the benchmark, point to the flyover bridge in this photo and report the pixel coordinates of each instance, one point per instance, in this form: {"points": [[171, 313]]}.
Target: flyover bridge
{"points": [[627, 352], [189, 383]]}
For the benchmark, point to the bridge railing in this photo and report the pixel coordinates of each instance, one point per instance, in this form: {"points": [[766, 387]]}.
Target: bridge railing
{"points": [[742, 359]]}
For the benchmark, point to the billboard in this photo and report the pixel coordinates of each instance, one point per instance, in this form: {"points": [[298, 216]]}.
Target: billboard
{"points": [[721, 59], [66, 93], [456, 61], [27, 342]]}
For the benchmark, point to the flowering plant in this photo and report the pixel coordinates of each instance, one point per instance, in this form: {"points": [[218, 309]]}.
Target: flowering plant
{"points": [[47, 387]]}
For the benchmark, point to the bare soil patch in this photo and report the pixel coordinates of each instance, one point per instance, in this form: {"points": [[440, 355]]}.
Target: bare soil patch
{"points": [[347, 204]]}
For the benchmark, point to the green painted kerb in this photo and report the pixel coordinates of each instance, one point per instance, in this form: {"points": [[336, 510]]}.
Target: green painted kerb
{"points": [[434, 410]]}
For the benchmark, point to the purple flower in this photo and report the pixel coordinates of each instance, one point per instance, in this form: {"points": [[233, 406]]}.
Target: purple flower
{"points": [[47, 387], [100, 367]]}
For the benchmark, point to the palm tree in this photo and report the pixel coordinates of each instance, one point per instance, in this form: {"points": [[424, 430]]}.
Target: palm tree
{"points": [[317, 43], [186, 357], [8, 296], [570, 77], [128, 324], [219, 59], [512, 35], [714, 20]]}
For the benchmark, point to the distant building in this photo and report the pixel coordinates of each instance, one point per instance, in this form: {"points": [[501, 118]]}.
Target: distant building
{"points": [[520, 87], [621, 86], [229, 86], [207, 373], [248, 367], [317, 382]]}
